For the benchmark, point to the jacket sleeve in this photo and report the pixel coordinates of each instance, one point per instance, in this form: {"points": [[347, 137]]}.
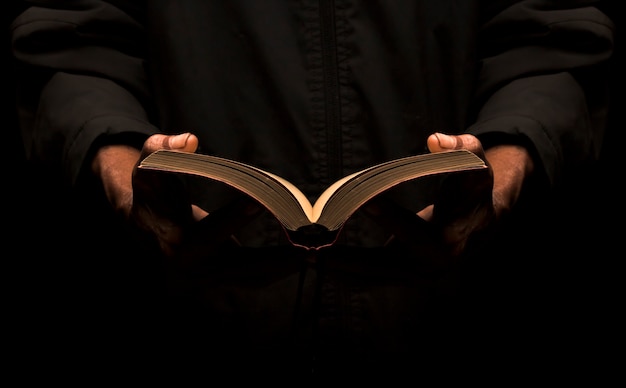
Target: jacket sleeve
{"points": [[543, 82], [80, 76]]}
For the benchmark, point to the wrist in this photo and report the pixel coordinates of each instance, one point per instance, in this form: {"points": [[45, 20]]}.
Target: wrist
{"points": [[512, 166], [113, 166]]}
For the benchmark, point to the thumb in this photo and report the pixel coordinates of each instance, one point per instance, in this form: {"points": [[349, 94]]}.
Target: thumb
{"points": [[438, 142], [186, 142]]}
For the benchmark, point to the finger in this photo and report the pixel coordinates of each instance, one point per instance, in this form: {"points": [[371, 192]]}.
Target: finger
{"points": [[198, 213], [219, 225], [404, 224], [438, 142], [186, 142], [161, 204], [216, 231], [413, 236], [426, 213]]}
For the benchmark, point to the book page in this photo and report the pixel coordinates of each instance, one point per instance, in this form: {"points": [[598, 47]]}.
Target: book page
{"points": [[299, 195], [316, 211], [335, 206], [288, 204]]}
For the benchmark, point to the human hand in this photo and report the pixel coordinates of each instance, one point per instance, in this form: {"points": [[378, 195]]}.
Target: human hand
{"points": [[464, 206], [468, 204], [156, 204], [161, 207]]}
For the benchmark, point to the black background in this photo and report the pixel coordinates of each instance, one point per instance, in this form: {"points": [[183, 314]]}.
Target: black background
{"points": [[582, 249]]}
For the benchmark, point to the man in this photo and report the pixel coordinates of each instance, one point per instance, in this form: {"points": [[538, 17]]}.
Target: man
{"points": [[312, 91]]}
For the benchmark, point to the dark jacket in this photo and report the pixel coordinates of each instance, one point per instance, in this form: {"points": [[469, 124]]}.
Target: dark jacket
{"points": [[313, 90]]}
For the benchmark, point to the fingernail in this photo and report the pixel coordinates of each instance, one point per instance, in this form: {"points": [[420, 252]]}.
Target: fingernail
{"points": [[179, 141], [438, 136], [445, 141]]}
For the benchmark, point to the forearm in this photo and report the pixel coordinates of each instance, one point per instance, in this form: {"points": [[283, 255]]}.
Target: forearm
{"points": [[85, 88], [543, 85]]}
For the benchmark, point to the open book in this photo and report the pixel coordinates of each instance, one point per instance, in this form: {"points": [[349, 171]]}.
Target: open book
{"points": [[312, 226]]}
